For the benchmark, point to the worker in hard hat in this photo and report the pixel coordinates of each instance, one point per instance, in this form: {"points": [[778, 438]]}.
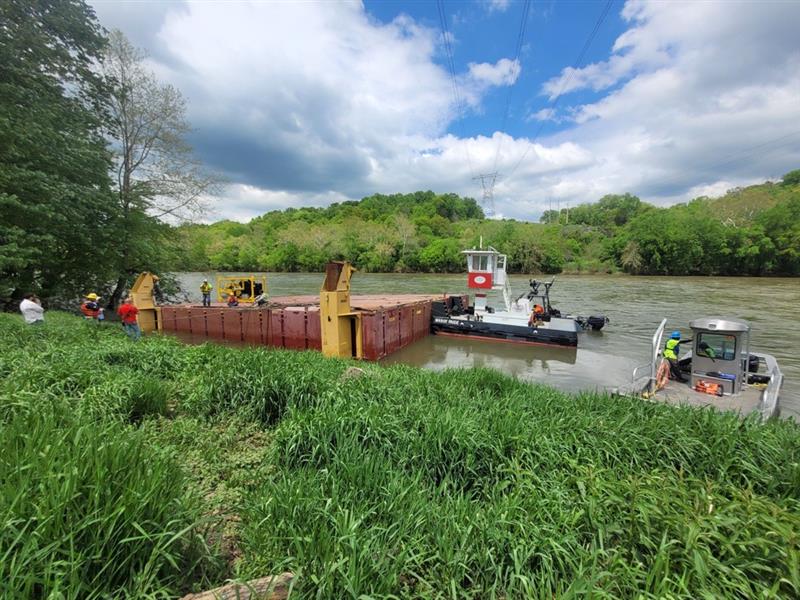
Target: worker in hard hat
{"points": [[91, 308], [672, 351], [205, 289]]}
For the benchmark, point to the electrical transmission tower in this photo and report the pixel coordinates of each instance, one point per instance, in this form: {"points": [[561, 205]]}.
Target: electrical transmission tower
{"points": [[487, 184]]}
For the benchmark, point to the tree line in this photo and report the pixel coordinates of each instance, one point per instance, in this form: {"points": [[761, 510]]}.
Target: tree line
{"points": [[750, 231]]}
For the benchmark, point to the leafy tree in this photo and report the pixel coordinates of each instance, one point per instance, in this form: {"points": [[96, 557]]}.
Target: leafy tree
{"points": [[156, 173], [781, 224], [631, 258], [791, 178], [442, 256], [54, 187], [612, 210]]}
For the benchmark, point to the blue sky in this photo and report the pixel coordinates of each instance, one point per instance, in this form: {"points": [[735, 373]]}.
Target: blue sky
{"points": [[308, 103], [554, 35]]}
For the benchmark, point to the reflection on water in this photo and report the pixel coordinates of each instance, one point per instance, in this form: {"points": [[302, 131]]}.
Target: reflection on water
{"points": [[635, 306], [561, 367]]}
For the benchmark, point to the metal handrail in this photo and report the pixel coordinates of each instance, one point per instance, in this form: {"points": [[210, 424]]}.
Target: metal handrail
{"points": [[653, 364], [772, 391]]}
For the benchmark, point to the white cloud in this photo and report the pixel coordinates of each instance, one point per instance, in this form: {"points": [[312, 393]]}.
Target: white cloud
{"points": [[241, 203], [497, 5], [546, 114], [305, 104], [503, 72], [705, 97]]}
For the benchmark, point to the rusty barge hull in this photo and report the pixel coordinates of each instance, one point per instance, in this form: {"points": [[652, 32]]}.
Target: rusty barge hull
{"points": [[389, 322]]}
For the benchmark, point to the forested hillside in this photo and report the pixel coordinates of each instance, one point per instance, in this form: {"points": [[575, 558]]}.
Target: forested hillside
{"points": [[749, 231]]}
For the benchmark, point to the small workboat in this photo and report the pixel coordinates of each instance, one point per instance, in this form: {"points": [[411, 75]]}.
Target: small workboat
{"points": [[528, 319], [720, 371]]}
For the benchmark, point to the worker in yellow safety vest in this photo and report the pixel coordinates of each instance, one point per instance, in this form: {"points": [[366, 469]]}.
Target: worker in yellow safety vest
{"points": [[205, 289], [672, 350]]}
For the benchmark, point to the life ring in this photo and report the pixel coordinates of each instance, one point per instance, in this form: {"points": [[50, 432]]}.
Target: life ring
{"points": [[662, 375]]}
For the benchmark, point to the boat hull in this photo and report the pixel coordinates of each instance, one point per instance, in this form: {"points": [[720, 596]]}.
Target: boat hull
{"points": [[501, 332]]}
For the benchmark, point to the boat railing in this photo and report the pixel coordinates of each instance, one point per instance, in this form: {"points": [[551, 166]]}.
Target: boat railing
{"points": [[773, 390], [644, 376]]}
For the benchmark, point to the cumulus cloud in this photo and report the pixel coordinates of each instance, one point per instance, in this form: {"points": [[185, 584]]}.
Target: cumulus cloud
{"points": [[503, 72], [305, 104], [243, 202], [497, 5], [700, 97]]}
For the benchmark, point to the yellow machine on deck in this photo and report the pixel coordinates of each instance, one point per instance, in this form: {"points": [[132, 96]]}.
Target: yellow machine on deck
{"points": [[142, 295], [340, 326], [246, 289]]}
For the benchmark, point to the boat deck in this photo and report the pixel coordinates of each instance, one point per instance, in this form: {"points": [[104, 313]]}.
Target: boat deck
{"points": [[744, 403]]}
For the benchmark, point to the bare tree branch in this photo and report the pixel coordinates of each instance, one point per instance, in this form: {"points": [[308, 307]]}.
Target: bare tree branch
{"points": [[155, 166]]}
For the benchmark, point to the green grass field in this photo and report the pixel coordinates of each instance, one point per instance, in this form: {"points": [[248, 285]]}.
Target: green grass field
{"points": [[150, 469]]}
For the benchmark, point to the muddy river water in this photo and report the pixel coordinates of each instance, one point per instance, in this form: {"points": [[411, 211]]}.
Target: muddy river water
{"points": [[635, 306]]}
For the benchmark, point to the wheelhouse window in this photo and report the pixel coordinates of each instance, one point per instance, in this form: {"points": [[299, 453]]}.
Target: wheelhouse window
{"points": [[716, 345], [479, 262]]}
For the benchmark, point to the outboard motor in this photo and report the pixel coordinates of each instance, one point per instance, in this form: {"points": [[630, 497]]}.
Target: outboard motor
{"points": [[597, 322]]}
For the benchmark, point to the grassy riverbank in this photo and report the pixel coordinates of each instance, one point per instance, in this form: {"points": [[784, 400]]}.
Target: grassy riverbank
{"points": [[150, 469]]}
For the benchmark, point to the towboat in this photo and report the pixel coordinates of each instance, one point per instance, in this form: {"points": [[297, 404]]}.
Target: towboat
{"points": [[720, 371], [528, 319]]}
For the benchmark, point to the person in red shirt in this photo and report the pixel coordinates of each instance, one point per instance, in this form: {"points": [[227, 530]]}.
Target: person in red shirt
{"points": [[129, 313]]}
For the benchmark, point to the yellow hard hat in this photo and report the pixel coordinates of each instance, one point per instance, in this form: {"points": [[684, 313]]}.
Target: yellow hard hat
{"points": [[92, 296]]}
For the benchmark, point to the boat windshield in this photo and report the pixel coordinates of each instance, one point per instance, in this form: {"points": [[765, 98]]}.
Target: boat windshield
{"points": [[716, 345]]}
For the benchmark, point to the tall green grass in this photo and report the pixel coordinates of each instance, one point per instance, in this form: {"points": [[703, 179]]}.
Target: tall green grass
{"points": [[90, 511], [259, 384], [396, 484], [90, 507], [469, 484]]}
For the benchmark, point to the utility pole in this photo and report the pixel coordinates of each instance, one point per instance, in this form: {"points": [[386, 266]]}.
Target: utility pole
{"points": [[487, 184]]}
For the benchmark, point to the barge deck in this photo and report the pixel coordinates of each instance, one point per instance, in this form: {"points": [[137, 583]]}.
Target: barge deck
{"points": [[389, 322]]}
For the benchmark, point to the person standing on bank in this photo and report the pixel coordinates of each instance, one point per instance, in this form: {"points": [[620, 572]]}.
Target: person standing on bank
{"points": [[91, 308], [672, 350], [129, 315], [31, 309], [205, 289]]}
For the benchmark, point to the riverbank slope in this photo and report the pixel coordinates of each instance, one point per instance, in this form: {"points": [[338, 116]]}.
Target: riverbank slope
{"points": [[154, 468]]}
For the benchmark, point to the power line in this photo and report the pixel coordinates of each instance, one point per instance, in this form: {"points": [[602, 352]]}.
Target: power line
{"points": [[523, 25], [742, 155], [451, 66], [576, 65]]}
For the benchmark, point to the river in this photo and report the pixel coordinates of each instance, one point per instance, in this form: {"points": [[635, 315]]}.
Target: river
{"points": [[635, 306]]}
